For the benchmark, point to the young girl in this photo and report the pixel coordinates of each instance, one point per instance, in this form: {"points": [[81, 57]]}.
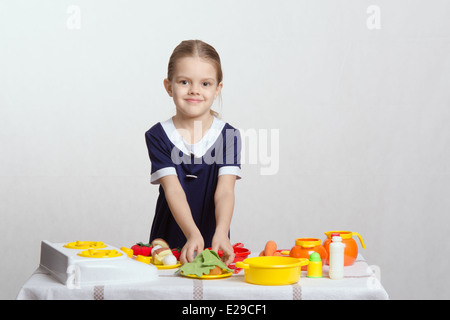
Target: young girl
{"points": [[195, 157]]}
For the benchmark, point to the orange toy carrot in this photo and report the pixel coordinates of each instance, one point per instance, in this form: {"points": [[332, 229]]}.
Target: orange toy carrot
{"points": [[270, 249]]}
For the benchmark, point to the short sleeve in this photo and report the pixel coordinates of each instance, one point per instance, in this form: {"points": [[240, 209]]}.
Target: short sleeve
{"points": [[159, 152], [231, 161]]}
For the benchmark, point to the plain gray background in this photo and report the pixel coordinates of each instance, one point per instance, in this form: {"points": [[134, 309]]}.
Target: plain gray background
{"points": [[357, 91]]}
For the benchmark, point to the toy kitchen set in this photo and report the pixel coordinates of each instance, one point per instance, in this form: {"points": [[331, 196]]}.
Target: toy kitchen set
{"points": [[80, 263], [310, 268]]}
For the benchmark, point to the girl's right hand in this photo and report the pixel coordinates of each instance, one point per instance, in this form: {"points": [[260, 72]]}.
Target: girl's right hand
{"points": [[193, 244]]}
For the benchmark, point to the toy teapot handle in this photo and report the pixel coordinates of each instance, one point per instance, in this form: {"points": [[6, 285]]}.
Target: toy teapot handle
{"points": [[360, 239]]}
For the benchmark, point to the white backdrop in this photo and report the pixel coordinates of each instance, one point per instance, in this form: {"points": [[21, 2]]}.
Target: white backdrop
{"points": [[353, 93]]}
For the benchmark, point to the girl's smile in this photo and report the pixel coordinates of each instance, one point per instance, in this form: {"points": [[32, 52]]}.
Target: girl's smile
{"points": [[193, 100]]}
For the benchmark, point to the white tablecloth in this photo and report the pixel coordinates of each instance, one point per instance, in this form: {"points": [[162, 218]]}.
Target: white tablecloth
{"points": [[360, 282]]}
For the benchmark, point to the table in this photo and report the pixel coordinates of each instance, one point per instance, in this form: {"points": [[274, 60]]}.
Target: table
{"points": [[360, 282]]}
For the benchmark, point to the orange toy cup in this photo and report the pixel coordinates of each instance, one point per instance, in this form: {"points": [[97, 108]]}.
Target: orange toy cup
{"points": [[305, 246], [351, 248]]}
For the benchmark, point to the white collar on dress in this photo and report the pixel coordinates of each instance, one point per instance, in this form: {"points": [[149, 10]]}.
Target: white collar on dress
{"points": [[198, 149]]}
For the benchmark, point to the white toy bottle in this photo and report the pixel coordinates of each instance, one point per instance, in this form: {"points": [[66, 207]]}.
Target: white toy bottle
{"points": [[336, 271]]}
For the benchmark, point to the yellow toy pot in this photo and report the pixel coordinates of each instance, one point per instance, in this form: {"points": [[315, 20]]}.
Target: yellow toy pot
{"points": [[272, 270]]}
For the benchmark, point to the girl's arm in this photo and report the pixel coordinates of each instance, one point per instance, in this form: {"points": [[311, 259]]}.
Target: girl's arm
{"points": [[176, 198], [224, 203]]}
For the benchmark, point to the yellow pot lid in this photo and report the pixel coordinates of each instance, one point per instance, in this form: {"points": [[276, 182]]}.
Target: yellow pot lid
{"points": [[307, 242], [99, 253], [85, 245]]}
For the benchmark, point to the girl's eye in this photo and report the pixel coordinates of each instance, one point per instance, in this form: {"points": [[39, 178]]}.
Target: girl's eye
{"points": [[206, 84], [184, 82]]}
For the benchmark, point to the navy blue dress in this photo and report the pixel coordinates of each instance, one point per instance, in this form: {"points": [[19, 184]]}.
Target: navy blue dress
{"points": [[198, 168]]}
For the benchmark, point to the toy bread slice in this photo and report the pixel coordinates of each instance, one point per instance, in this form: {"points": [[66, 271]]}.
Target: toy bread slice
{"points": [[160, 242], [159, 254]]}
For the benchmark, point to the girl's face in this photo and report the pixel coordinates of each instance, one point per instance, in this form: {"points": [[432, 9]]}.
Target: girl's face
{"points": [[194, 87]]}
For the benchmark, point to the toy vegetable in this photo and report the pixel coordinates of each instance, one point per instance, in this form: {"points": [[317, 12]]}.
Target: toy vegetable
{"points": [[270, 249], [142, 249], [176, 252], [206, 262]]}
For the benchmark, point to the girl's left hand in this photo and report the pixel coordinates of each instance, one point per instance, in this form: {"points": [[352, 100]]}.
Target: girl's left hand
{"points": [[220, 242]]}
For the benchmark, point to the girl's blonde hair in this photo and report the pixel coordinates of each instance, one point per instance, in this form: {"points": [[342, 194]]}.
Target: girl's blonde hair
{"points": [[196, 48]]}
